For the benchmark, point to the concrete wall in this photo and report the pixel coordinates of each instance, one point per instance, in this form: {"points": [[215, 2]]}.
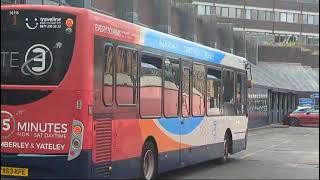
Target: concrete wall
{"points": [[288, 54]]}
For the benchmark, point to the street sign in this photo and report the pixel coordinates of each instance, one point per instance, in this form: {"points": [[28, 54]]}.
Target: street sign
{"points": [[306, 102]]}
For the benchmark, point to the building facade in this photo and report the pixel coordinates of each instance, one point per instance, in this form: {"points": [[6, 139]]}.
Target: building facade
{"points": [[288, 22]]}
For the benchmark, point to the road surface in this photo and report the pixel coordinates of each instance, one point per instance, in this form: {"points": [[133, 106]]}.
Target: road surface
{"points": [[272, 153]]}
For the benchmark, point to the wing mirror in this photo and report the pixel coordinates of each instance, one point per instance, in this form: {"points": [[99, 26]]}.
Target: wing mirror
{"points": [[307, 113]]}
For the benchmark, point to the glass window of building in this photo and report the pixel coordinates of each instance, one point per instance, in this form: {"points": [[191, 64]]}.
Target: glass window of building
{"points": [[276, 16], [272, 16], [239, 13], [316, 20], [224, 12], [283, 17], [218, 11], [254, 14], [262, 15], [290, 17], [208, 10], [102, 5], [296, 18], [201, 9], [316, 41], [51, 2], [248, 13], [310, 19], [305, 19], [232, 12], [310, 40], [302, 39], [268, 16], [276, 38], [33, 1]]}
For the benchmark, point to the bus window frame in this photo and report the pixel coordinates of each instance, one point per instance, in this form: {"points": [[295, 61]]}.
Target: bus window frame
{"points": [[186, 63], [115, 76], [221, 91], [234, 83], [179, 90], [205, 86], [242, 74], [156, 55]]}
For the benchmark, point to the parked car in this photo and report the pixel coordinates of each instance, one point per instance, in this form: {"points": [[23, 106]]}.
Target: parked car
{"points": [[303, 117]]}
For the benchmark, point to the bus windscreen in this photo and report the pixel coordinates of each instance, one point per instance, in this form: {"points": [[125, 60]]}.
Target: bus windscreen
{"points": [[36, 46]]}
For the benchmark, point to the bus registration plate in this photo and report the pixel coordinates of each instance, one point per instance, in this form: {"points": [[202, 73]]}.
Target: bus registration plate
{"points": [[12, 171]]}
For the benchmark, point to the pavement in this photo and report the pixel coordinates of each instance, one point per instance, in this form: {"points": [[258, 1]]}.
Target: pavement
{"points": [[273, 152], [276, 125]]}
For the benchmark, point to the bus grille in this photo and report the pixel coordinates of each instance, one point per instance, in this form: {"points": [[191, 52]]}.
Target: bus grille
{"points": [[103, 141]]}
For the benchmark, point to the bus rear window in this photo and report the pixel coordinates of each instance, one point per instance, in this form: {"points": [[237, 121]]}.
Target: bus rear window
{"points": [[36, 46]]}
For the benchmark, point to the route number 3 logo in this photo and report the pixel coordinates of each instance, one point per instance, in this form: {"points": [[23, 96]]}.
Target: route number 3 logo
{"points": [[38, 60]]}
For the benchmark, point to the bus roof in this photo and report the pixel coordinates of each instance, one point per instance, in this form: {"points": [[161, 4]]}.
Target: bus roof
{"points": [[122, 30], [147, 37]]}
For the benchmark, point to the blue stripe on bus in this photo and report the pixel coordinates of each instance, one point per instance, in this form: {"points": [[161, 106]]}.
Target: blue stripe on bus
{"points": [[174, 126], [165, 42]]}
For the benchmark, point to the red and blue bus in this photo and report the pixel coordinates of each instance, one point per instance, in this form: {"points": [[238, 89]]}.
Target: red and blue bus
{"points": [[85, 95]]}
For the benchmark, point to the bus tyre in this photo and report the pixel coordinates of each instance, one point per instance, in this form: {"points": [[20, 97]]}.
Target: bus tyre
{"points": [[226, 150], [149, 161]]}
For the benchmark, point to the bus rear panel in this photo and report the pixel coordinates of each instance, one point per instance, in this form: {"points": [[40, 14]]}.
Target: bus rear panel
{"points": [[41, 124]]}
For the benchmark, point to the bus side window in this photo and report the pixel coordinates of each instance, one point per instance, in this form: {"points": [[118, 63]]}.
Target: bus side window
{"points": [[151, 86], [107, 76], [228, 93], [126, 77], [240, 93], [213, 92], [185, 105], [171, 87], [198, 90]]}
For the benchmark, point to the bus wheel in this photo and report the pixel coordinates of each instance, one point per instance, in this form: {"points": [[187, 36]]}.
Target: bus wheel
{"points": [[226, 150], [149, 161]]}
